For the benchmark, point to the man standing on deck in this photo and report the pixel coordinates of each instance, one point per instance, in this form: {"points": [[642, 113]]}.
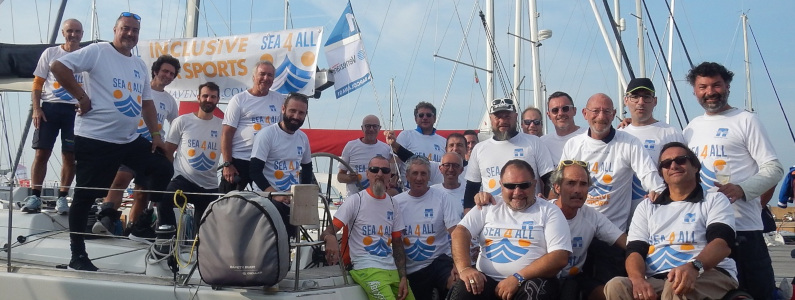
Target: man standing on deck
{"points": [[472, 139], [738, 159], [561, 112], [423, 140], [105, 129], [357, 153], [247, 113], [53, 111], [531, 122]]}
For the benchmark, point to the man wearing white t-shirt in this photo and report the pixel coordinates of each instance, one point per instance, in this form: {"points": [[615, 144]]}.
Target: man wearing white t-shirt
{"points": [[508, 143], [738, 159], [53, 112], [196, 139], [472, 139], [679, 244], [571, 181], [423, 140], [247, 113], [118, 95], [429, 216], [532, 122], [561, 112], [375, 243], [524, 243], [281, 157], [452, 168], [455, 142], [357, 153]]}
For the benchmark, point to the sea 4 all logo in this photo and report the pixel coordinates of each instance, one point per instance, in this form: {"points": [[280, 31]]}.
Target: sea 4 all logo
{"points": [[201, 154], [123, 91], [599, 193], [722, 132], [671, 250], [649, 144], [285, 174], [424, 235], [518, 152], [294, 73], [61, 93], [500, 247], [374, 242]]}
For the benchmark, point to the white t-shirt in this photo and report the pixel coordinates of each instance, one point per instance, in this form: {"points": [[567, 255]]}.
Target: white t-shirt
{"points": [[456, 196], [653, 137], [426, 219], [737, 140], [198, 148], [431, 146], [52, 91], [167, 109], [510, 240], [612, 165], [371, 222], [358, 155], [677, 231], [283, 154], [488, 158], [249, 114], [116, 86], [555, 143], [587, 224]]}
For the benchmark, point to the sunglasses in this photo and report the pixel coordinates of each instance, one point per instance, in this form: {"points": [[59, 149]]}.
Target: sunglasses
{"points": [[500, 103], [568, 162], [129, 14], [679, 160], [375, 170], [564, 108], [521, 185], [423, 115], [529, 121]]}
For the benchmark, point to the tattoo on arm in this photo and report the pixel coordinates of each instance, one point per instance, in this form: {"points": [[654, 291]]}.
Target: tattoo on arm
{"points": [[399, 253]]}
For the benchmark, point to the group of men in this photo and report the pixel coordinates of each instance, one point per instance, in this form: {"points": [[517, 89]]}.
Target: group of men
{"points": [[645, 212]]}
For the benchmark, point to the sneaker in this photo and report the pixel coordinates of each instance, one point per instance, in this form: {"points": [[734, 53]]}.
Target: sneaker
{"points": [[32, 204], [786, 289], [82, 263], [62, 206], [103, 226], [141, 230]]}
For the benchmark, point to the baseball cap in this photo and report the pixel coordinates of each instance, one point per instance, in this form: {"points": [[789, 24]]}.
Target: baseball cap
{"points": [[640, 83], [502, 104]]}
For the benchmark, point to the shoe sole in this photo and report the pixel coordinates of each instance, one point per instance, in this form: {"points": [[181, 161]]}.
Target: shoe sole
{"points": [[139, 239], [73, 269], [98, 228]]}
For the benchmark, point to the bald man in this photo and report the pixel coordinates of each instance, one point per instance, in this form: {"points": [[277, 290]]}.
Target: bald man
{"points": [[358, 153]]}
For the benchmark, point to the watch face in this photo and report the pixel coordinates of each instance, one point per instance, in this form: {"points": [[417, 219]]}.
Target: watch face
{"points": [[698, 265]]}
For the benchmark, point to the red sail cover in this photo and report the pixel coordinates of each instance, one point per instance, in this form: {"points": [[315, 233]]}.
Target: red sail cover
{"points": [[333, 140]]}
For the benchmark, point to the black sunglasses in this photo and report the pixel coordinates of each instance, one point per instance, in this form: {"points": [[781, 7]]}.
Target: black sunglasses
{"points": [[564, 108], [679, 160], [423, 115], [129, 14], [529, 121], [521, 185], [375, 170]]}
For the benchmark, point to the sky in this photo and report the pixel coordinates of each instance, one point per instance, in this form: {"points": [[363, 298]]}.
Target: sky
{"points": [[401, 38]]}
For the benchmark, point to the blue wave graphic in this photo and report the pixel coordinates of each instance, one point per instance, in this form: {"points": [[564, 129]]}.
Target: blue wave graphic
{"points": [[128, 107], [667, 259], [201, 162], [496, 192], [419, 251], [599, 189], [293, 77], [62, 94], [379, 248], [144, 132], [287, 182], [504, 252], [708, 177], [637, 188]]}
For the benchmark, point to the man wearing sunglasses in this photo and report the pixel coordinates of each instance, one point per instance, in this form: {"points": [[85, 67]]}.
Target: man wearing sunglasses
{"points": [[679, 245], [423, 140], [532, 122], [731, 142], [524, 242], [118, 97], [357, 153], [561, 112]]}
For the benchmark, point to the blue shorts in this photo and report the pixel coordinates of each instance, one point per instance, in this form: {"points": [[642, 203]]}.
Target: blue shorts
{"points": [[60, 118]]}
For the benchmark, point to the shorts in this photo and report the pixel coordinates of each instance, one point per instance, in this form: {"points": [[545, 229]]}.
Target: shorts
{"points": [[140, 179], [60, 118], [379, 283]]}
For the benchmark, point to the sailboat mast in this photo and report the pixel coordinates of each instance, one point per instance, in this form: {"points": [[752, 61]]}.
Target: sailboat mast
{"points": [[669, 82], [748, 103], [537, 96], [641, 41], [391, 104], [517, 51], [286, 12], [489, 52], [620, 25], [191, 18]]}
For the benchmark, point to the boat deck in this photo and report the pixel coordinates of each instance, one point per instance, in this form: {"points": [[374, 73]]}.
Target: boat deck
{"points": [[783, 262]]}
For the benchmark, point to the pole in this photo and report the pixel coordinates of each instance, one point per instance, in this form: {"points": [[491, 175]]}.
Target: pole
{"points": [[641, 41], [607, 42], [286, 12], [517, 51], [192, 18], [670, 79], [748, 103], [534, 53], [391, 102], [621, 87]]}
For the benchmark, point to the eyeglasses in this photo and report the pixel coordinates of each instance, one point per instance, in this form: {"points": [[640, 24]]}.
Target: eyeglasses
{"points": [[679, 160], [564, 108], [531, 121], [129, 14], [600, 111], [371, 126], [521, 185], [375, 170], [568, 162], [450, 166], [636, 98], [423, 115]]}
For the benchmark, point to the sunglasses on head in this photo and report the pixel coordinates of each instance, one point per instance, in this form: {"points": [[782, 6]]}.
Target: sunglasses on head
{"points": [[679, 160], [423, 115], [375, 170], [564, 108], [569, 162], [530, 121], [129, 14], [521, 185]]}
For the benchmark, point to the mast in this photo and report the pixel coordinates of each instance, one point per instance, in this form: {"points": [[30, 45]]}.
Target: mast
{"points": [[391, 102], [670, 79], [620, 25], [286, 12], [517, 51], [610, 49], [489, 52], [537, 96], [191, 18], [641, 43], [748, 103]]}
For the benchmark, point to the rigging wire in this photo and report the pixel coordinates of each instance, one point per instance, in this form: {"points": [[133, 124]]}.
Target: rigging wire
{"points": [[228, 27], [414, 55], [770, 78], [498, 66], [614, 26], [659, 66], [160, 28], [38, 24], [458, 57], [679, 34], [730, 54]]}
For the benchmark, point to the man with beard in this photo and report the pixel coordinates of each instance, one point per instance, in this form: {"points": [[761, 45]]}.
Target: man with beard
{"points": [[489, 156], [53, 112], [429, 216], [561, 112], [105, 129], [614, 157], [732, 145], [247, 113], [281, 156], [375, 224], [357, 153], [197, 136], [531, 122], [472, 139], [524, 243], [571, 182]]}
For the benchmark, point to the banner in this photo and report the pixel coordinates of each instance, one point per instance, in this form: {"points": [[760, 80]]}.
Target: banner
{"points": [[345, 54], [229, 61]]}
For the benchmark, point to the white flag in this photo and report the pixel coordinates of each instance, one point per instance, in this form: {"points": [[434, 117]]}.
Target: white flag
{"points": [[346, 56]]}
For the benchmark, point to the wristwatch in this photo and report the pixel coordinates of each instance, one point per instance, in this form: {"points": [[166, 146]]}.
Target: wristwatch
{"points": [[698, 265], [226, 164], [519, 278]]}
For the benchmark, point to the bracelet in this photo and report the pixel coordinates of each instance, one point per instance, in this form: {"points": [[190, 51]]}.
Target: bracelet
{"points": [[519, 278], [462, 271], [156, 133]]}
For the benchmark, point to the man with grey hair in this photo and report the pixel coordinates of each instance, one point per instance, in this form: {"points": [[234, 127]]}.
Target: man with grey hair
{"points": [[247, 113], [357, 153], [429, 217]]}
